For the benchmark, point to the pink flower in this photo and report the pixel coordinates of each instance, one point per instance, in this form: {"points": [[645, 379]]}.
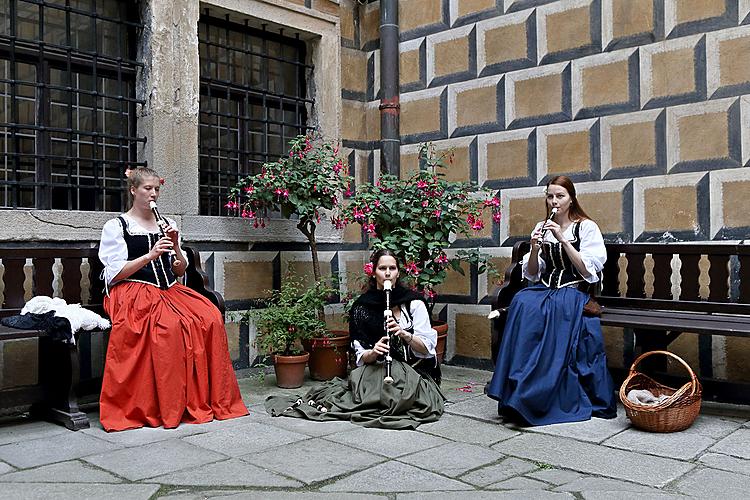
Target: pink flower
{"points": [[231, 205], [430, 294], [425, 203], [437, 213], [411, 268], [421, 184], [249, 189], [369, 269], [277, 192], [442, 259], [285, 193], [496, 217], [369, 228]]}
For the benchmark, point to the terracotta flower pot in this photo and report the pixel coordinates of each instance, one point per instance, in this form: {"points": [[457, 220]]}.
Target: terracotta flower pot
{"points": [[328, 355], [290, 370], [441, 327]]}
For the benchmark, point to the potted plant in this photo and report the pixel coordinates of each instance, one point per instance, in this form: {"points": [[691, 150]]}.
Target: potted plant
{"points": [[418, 217], [290, 316], [311, 178]]}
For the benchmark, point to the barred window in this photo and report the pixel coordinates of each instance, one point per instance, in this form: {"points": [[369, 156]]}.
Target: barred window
{"points": [[253, 100], [67, 102]]}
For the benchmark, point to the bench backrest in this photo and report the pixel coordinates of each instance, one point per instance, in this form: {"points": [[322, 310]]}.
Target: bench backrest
{"points": [[43, 259], [677, 276]]}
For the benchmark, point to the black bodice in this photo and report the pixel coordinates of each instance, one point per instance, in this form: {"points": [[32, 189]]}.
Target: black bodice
{"points": [[559, 270], [158, 272]]}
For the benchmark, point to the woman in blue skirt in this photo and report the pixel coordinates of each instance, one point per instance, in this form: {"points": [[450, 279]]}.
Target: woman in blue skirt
{"points": [[551, 367]]}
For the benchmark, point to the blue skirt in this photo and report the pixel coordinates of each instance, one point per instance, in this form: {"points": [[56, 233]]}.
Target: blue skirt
{"points": [[551, 366]]}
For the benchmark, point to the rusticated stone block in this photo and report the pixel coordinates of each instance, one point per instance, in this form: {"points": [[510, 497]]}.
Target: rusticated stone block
{"points": [[456, 283], [566, 29], [605, 208], [457, 155], [672, 72], [622, 19], [704, 135], [614, 346], [346, 16], [538, 95], [233, 339], [524, 213], [693, 16], [354, 275], [412, 64], [631, 141], [329, 7], [475, 105], [353, 121], [304, 269], [725, 62], [20, 362], [571, 148], [451, 55], [500, 264], [422, 114], [246, 280], [729, 188], [369, 25], [737, 354], [466, 8], [506, 43], [605, 83], [354, 70], [671, 204], [409, 160], [472, 336], [416, 14], [506, 155]]}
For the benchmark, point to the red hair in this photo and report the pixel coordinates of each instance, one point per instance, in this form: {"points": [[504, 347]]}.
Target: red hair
{"points": [[575, 211]]}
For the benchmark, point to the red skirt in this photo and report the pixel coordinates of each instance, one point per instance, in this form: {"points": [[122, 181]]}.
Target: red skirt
{"points": [[167, 360]]}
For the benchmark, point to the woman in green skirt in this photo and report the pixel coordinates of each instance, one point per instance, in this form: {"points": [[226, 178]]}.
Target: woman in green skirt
{"points": [[364, 398]]}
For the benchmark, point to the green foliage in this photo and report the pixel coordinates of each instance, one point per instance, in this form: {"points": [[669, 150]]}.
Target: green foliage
{"points": [[291, 315], [418, 217]]}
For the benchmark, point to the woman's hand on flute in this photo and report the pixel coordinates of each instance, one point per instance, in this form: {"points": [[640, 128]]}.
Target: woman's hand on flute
{"points": [[162, 245]]}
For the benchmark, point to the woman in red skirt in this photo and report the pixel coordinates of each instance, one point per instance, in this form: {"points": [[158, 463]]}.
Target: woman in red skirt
{"points": [[167, 358]]}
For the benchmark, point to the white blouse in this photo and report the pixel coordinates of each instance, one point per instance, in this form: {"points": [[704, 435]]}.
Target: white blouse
{"points": [[593, 252], [113, 252], [420, 320]]}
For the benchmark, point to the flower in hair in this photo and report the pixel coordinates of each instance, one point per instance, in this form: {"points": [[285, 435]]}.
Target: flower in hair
{"points": [[128, 171], [161, 181], [369, 269]]}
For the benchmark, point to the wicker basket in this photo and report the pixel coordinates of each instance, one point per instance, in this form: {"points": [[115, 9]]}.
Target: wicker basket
{"points": [[675, 413]]}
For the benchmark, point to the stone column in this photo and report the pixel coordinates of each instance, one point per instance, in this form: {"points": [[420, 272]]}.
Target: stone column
{"points": [[169, 83]]}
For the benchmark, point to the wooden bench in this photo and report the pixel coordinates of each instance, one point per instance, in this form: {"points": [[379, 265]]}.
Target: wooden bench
{"points": [[60, 381], [639, 281]]}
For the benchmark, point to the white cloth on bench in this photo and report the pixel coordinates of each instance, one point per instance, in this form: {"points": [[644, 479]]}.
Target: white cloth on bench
{"points": [[79, 317]]}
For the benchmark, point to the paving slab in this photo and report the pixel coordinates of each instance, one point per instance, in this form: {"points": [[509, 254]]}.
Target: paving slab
{"points": [[519, 483], [725, 462], [480, 407], [267, 495], [603, 484], [314, 460], [490, 495], [144, 435], [64, 472], [626, 495], [595, 430], [243, 439], [510, 467], [452, 459], [54, 448], [387, 442], [5, 468], [712, 483], [554, 476], [736, 444], [592, 459], [308, 427], [680, 445], [49, 491], [467, 430], [713, 426], [393, 477], [154, 459], [22, 429], [232, 472]]}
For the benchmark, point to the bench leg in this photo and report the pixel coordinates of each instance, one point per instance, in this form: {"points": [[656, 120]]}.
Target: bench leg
{"points": [[60, 375], [654, 340]]}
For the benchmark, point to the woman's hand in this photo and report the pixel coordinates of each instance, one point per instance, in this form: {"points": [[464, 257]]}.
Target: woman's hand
{"points": [[162, 245], [535, 237], [381, 347], [172, 234], [553, 226]]}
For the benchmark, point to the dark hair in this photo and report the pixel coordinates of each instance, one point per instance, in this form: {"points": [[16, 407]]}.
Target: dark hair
{"points": [[374, 258], [575, 211]]}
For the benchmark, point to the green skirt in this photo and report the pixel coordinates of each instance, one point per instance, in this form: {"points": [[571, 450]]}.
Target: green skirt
{"points": [[365, 400]]}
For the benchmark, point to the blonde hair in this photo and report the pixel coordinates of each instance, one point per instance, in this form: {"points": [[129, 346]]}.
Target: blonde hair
{"points": [[136, 176]]}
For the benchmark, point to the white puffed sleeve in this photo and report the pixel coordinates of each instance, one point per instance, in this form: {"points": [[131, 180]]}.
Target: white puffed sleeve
{"points": [[525, 263], [422, 329], [113, 252], [593, 252]]}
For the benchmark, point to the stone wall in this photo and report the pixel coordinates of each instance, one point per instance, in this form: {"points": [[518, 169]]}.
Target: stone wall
{"points": [[644, 103]]}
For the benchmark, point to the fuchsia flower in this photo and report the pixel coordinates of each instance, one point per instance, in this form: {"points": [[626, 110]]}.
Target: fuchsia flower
{"points": [[496, 217], [369, 269], [231, 205], [425, 203], [249, 189], [421, 184], [412, 269], [442, 259], [430, 294], [437, 213], [369, 228]]}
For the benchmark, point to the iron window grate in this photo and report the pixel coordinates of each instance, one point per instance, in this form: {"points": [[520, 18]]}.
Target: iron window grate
{"points": [[67, 102], [253, 100]]}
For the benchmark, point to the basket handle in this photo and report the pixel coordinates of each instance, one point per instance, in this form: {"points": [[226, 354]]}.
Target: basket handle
{"points": [[693, 378]]}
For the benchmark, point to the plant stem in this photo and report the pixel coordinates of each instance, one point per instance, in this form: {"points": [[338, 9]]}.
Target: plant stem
{"points": [[307, 227]]}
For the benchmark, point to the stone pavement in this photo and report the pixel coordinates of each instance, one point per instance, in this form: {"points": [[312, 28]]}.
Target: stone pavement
{"points": [[468, 454]]}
